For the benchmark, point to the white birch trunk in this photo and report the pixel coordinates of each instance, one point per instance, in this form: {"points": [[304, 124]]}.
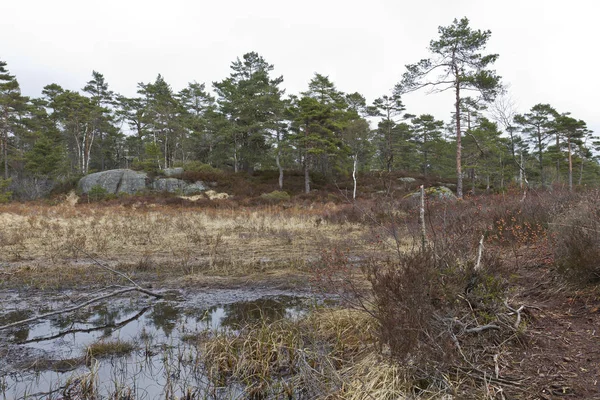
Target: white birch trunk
{"points": [[355, 157]]}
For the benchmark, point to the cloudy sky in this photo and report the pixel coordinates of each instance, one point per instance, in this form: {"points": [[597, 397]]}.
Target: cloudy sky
{"points": [[548, 49]]}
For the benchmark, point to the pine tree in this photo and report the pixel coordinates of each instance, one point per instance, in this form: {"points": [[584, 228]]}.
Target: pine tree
{"points": [[427, 133], [572, 131], [11, 104], [388, 107], [161, 117], [538, 125], [462, 67], [251, 101], [106, 133]]}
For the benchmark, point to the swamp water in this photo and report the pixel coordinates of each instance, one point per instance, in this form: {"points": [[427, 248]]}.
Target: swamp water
{"points": [[40, 359]]}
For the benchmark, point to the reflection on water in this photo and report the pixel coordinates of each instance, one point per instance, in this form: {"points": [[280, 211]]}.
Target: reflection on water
{"points": [[163, 362]]}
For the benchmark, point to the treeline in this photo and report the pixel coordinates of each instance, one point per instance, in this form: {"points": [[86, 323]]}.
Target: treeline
{"points": [[248, 122]]}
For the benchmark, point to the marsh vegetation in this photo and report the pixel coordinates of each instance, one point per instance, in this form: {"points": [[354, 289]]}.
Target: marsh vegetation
{"points": [[299, 300]]}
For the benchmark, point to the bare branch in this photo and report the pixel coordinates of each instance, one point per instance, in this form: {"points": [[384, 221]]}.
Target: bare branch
{"points": [[482, 328], [87, 303]]}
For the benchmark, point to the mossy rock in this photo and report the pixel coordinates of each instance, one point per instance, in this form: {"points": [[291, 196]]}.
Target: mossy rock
{"points": [[435, 192], [276, 195]]}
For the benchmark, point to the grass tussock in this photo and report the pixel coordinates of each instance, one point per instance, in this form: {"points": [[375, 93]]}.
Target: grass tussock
{"points": [[108, 348], [291, 357], [329, 354]]}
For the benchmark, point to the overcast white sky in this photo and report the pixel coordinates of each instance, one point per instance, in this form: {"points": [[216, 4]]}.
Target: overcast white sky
{"points": [[548, 49]]}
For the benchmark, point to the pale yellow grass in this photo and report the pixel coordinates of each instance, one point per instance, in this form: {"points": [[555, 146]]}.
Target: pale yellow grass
{"points": [[186, 239]]}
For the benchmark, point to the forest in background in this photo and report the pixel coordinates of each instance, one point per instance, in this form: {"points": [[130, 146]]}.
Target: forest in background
{"points": [[247, 122]]}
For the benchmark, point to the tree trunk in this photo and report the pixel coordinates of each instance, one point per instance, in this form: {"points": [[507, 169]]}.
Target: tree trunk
{"points": [[306, 175], [422, 218], [558, 158], [88, 150], [425, 155], [390, 158], [235, 158], [541, 152], [5, 152], [570, 165], [581, 172], [354, 175], [278, 161], [501, 173], [306, 166], [166, 151], [459, 181], [280, 170], [521, 172], [102, 155]]}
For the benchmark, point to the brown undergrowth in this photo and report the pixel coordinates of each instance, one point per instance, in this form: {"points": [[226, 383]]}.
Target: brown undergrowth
{"points": [[499, 303]]}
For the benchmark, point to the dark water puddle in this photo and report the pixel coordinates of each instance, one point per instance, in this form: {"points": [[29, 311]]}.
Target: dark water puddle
{"points": [[38, 360]]}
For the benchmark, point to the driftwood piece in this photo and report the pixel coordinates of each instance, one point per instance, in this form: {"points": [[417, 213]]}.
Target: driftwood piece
{"points": [[479, 254]]}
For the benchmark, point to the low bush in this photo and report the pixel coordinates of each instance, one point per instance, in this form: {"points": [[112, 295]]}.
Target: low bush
{"points": [[65, 185], [5, 195], [427, 305], [577, 235], [196, 166], [276, 196], [97, 193]]}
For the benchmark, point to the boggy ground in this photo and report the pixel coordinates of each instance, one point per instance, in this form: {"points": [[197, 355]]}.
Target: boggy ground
{"points": [[61, 247], [54, 247]]}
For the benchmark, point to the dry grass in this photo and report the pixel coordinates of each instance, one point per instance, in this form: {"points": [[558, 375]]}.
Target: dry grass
{"points": [[330, 354], [159, 242], [107, 348], [291, 357]]}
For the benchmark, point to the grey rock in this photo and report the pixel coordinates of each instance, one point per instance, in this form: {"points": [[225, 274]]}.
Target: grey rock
{"points": [[115, 181], [169, 172], [441, 193], [407, 179], [170, 185], [130, 182], [108, 180], [437, 193], [194, 188], [133, 182]]}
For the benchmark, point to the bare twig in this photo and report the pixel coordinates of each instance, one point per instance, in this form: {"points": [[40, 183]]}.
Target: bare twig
{"points": [[515, 311], [91, 301], [106, 267], [496, 366], [88, 330], [479, 329]]}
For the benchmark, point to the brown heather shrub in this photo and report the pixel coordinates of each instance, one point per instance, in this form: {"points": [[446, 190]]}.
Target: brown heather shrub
{"points": [[577, 235], [418, 298]]}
